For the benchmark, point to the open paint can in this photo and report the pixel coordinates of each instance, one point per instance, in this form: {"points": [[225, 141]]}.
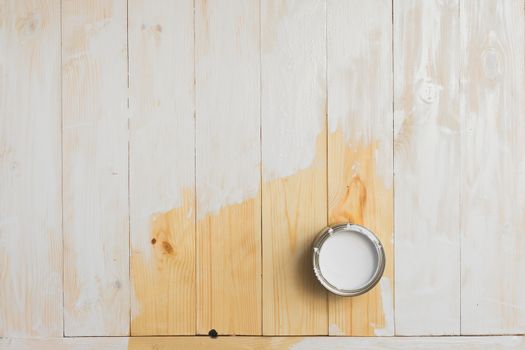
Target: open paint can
{"points": [[348, 259]]}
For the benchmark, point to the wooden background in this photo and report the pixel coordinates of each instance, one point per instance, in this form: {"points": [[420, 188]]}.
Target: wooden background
{"points": [[165, 166]]}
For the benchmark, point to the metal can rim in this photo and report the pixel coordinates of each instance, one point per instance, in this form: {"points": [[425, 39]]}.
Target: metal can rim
{"points": [[381, 260]]}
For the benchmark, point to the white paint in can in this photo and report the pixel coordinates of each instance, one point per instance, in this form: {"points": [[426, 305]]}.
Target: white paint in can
{"points": [[348, 260]]}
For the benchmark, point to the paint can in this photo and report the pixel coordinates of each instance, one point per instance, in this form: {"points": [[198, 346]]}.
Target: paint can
{"points": [[348, 259]]}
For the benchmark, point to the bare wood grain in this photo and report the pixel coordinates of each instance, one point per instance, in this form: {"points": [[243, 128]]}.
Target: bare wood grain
{"points": [[95, 168], [30, 180], [360, 149], [294, 164], [427, 175], [228, 167], [493, 189], [162, 213]]}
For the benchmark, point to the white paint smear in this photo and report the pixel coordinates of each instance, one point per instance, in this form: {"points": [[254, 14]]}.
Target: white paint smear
{"points": [[387, 300], [333, 329], [227, 109], [347, 260], [405, 343], [359, 69], [293, 87]]}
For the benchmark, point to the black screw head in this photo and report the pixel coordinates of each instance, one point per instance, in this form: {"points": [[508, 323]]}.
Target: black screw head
{"points": [[213, 333]]}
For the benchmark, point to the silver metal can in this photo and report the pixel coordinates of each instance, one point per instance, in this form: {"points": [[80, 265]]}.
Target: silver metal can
{"points": [[353, 229]]}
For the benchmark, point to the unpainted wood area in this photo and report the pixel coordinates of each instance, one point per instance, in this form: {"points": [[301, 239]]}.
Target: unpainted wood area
{"points": [[165, 166]]}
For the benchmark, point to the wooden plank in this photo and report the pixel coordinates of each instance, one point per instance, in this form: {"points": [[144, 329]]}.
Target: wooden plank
{"points": [[162, 214], [360, 148], [493, 189], [95, 165], [268, 343], [427, 176], [293, 103], [30, 185], [228, 167]]}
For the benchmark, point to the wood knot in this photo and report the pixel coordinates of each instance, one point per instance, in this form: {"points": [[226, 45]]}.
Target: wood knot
{"points": [[154, 29], [428, 91], [153, 241], [491, 63], [28, 25], [168, 248]]}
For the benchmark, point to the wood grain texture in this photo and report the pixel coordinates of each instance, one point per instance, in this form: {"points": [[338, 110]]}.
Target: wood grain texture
{"points": [[162, 143], [270, 343], [95, 168], [228, 167], [493, 189], [30, 180], [427, 175], [293, 104], [201, 160], [360, 149]]}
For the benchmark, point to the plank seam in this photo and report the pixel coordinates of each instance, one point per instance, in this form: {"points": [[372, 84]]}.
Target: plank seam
{"points": [[62, 171], [461, 128], [392, 57], [261, 166], [349, 337], [327, 297], [129, 167], [195, 255]]}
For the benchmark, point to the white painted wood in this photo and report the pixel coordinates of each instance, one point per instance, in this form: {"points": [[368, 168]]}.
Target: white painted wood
{"points": [[161, 111], [426, 76], [271, 343], [402, 343], [30, 181], [293, 71], [359, 71], [227, 103], [162, 166], [95, 168], [493, 165]]}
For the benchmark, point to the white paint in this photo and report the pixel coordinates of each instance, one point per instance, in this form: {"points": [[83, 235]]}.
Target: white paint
{"points": [[275, 343], [347, 260], [293, 105], [95, 168], [162, 109], [426, 119], [334, 329], [135, 305], [30, 164], [410, 343], [227, 108], [492, 164], [83, 343], [359, 78], [387, 303]]}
